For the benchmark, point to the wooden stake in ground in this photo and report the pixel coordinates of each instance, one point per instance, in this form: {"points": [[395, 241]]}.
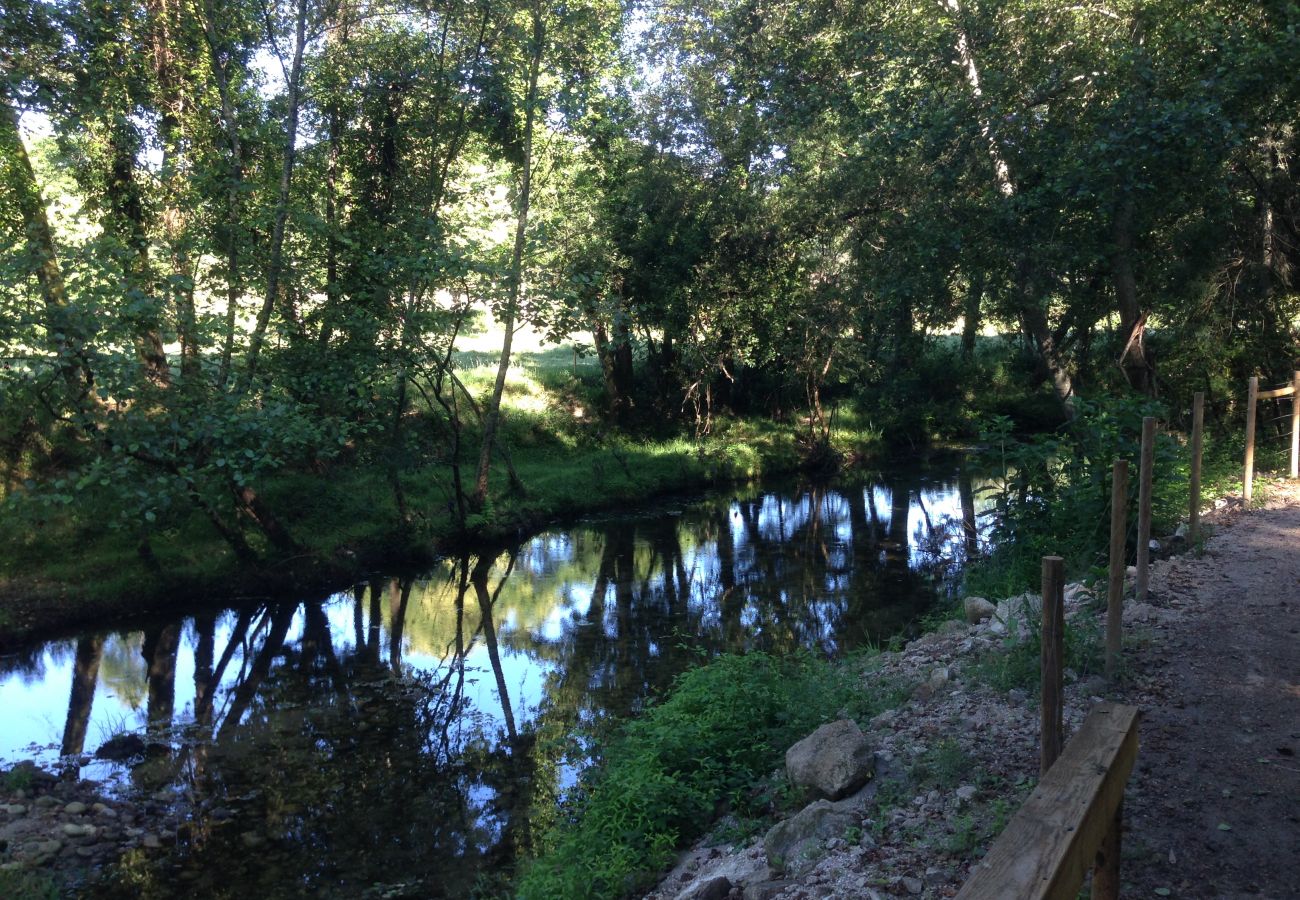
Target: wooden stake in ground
{"points": [[1198, 433], [1052, 730], [1295, 425], [1115, 589], [1252, 396], [1145, 474]]}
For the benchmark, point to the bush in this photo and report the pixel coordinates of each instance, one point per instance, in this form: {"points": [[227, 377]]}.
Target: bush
{"points": [[708, 745]]}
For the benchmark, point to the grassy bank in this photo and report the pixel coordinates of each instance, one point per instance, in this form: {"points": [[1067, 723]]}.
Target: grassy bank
{"points": [[79, 564], [710, 746]]}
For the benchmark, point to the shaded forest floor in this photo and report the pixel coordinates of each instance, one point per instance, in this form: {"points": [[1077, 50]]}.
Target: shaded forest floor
{"points": [[1213, 808]]}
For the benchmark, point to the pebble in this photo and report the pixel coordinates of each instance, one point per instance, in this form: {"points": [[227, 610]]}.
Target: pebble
{"points": [[15, 809], [912, 885], [966, 792], [72, 829], [46, 801], [151, 842], [75, 808]]}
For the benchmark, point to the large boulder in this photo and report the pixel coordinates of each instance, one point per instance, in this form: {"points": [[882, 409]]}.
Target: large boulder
{"points": [[978, 609], [832, 762], [795, 845]]}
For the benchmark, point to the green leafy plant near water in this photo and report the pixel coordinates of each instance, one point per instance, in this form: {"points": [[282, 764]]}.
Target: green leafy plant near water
{"points": [[708, 746], [1054, 494]]}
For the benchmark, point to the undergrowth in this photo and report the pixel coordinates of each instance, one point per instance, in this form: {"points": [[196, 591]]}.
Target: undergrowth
{"points": [[707, 747]]}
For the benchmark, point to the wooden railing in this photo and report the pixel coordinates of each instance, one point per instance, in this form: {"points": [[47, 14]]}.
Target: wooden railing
{"points": [[1072, 821]]}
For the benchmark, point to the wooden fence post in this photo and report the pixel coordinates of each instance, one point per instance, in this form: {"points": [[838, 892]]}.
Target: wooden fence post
{"points": [[1198, 429], [1295, 425], [1251, 401], [1052, 729], [1145, 474], [1105, 869], [1115, 589]]}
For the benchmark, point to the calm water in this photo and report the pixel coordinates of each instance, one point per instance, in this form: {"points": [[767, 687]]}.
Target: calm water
{"points": [[413, 736]]}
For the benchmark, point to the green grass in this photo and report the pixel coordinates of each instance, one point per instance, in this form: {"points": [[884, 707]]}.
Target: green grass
{"points": [[708, 746]]}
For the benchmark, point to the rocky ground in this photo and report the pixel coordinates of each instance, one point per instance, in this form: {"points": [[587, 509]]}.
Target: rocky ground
{"points": [[65, 829], [1212, 810]]}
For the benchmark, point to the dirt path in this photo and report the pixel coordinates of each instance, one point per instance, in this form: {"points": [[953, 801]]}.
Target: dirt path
{"points": [[1213, 808]]}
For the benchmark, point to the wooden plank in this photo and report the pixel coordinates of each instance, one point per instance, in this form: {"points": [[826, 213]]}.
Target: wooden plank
{"points": [[1118, 565], [1051, 720], [1198, 438], [1105, 867], [1276, 392], [1051, 843]]}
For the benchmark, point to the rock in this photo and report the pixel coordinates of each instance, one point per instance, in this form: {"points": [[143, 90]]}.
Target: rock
{"points": [[793, 846], [833, 761], [952, 626], [74, 830], [106, 812], [48, 848], [1096, 686], [707, 889], [252, 840], [765, 890], [912, 885], [966, 792], [121, 748], [75, 808], [978, 609], [151, 842], [15, 809], [46, 801], [1019, 608]]}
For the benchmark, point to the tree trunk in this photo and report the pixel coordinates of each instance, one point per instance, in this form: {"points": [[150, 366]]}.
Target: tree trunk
{"points": [[61, 331], [276, 264], [1134, 359], [492, 417], [85, 675], [126, 219]]}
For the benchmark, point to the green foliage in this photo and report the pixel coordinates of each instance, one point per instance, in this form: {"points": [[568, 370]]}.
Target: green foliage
{"points": [[24, 884], [709, 743], [1017, 664], [1053, 496]]}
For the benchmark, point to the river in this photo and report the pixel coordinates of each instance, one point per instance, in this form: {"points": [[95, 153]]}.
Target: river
{"points": [[412, 736]]}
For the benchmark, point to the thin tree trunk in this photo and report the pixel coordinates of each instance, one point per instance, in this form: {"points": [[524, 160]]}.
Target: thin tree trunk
{"points": [[1034, 318], [492, 418], [276, 264]]}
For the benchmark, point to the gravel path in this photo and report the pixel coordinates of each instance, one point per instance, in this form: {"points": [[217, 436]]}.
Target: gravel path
{"points": [[1213, 808]]}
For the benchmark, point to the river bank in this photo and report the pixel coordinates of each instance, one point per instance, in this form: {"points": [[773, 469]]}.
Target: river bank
{"points": [[956, 761], [64, 572]]}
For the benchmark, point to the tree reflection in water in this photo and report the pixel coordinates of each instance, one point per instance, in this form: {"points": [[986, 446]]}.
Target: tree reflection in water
{"points": [[418, 734]]}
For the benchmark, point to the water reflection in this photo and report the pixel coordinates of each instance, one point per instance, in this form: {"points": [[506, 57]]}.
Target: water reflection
{"points": [[414, 735]]}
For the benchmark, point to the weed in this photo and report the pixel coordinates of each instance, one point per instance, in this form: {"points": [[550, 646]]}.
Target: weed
{"points": [[944, 766]]}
